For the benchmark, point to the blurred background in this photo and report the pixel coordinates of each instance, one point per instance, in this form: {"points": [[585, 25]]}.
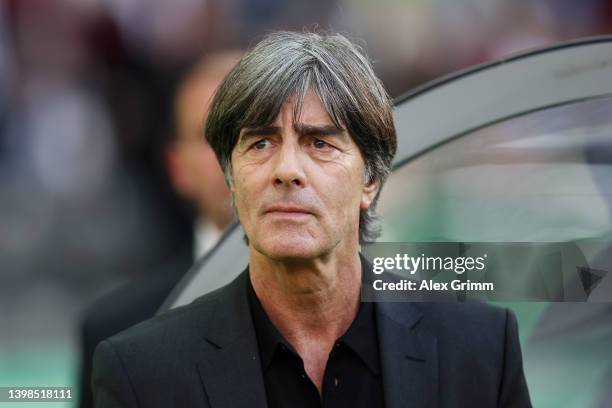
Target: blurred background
{"points": [[86, 111]]}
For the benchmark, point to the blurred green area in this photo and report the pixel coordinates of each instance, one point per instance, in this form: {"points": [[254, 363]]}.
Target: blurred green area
{"points": [[40, 365]]}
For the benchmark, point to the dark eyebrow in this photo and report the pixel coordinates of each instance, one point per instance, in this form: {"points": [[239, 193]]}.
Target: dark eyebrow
{"points": [[301, 129], [248, 133], [326, 130]]}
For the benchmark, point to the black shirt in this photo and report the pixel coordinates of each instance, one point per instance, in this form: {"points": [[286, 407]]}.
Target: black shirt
{"points": [[352, 376]]}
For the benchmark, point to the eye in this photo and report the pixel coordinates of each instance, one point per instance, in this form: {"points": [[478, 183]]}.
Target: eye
{"points": [[320, 144], [261, 144]]}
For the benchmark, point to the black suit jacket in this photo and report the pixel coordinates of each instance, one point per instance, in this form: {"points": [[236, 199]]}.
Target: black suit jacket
{"points": [[206, 355]]}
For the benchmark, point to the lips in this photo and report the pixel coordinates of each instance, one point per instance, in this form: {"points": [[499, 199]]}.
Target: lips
{"points": [[290, 210], [287, 209]]}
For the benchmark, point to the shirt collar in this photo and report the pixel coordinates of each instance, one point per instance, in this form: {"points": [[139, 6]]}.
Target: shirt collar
{"points": [[268, 336], [361, 336]]}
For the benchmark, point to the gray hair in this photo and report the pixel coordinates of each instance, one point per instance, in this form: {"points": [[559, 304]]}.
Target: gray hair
{"points": [[286, 64]]}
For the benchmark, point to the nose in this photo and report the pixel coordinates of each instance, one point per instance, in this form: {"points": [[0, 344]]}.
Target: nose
{"points": [[288, 169]]}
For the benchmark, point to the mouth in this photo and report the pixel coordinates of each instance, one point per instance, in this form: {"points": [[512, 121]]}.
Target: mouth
{"points": [[287, 211]]}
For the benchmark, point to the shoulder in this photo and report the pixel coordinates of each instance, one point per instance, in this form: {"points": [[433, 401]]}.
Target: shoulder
{"points": [[139, 365], [476, 321], [168, 339], [156, 354], [463, 315], [126, 306], [481, 340], [171, 325], [132, 302], [472, 334]]}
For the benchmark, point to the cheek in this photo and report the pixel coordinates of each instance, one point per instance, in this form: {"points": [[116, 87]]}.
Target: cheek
{"points": [[342, 190], [245, 195]]}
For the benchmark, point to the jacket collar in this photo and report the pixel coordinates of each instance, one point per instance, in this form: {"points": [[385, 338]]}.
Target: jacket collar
{"points": [[409, 357], [408, 354], [229, 367]]}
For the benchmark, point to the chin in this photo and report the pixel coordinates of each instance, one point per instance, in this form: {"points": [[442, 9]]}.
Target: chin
{"points": [[289, 247]]}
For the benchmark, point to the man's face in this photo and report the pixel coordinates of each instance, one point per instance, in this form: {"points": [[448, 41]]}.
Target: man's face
{"points": [[299, 187]]}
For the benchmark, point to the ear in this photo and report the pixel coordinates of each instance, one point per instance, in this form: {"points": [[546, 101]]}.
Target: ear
{"points": [[368, 194]]}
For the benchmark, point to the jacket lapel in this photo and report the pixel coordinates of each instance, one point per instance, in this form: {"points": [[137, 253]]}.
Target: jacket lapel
{"points": [[229, 367], [409, 358]]}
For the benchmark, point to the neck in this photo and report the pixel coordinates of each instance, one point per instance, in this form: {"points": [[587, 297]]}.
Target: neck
{"points": [[310, 301]]}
